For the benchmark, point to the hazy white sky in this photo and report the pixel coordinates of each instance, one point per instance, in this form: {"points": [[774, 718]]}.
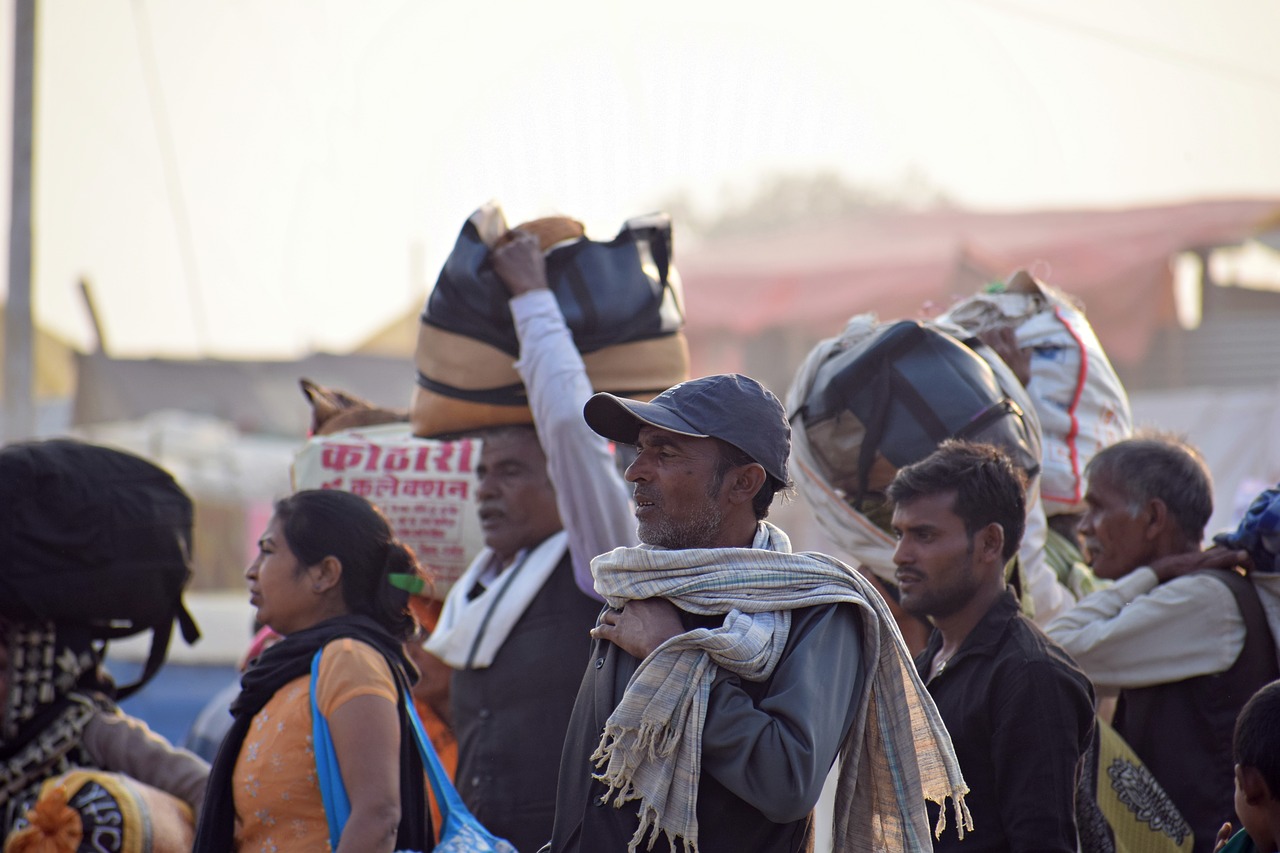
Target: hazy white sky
{"points": [[258, 178]]}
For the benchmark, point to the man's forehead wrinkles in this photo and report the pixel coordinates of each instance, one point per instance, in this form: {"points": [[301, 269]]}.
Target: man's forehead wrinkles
{"points": [[655, 435]]}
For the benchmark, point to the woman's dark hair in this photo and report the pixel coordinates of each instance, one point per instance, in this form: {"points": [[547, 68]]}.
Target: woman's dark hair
{"points": [[320, 523]]}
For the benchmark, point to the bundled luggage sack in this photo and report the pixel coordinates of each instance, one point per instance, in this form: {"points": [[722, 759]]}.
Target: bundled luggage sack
{"points": [[94, 810], [1080, 401], [621, 300], [893, 398], [883, 395], [94, 536]]}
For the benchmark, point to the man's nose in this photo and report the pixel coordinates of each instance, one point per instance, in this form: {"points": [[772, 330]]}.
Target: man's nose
{"points": [[636, 470]]}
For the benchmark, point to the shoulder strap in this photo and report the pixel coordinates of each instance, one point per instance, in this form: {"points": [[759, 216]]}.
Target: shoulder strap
{"points": [[456, 820], [454, 815], [161, 634], [1251, 610], [337, 806], [447, 796]]}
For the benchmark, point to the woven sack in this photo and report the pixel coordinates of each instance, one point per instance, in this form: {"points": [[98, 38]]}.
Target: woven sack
{"points": [[93, 810], [1081, 402]]}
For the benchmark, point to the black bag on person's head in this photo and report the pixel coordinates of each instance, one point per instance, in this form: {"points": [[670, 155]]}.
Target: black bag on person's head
{"points": [[892, 398], [621, 300], [609, 292], [95, 536]]}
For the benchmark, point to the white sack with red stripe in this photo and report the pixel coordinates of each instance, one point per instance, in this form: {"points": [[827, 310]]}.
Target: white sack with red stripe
{"points": [[1081, 402]]}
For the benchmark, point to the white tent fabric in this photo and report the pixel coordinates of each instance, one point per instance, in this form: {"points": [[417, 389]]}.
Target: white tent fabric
{"points": [[1235, 430]]}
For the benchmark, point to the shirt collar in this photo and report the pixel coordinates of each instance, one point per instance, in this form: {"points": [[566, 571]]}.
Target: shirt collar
{"points": [[986, 636]]}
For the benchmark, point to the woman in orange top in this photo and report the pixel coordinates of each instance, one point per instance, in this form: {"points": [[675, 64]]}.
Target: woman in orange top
{"points": [[321, 580]]}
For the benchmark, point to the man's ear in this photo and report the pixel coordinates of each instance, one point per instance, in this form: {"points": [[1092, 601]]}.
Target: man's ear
{"points": [[1250, 782], [746, 480], [1157, 518], [326, 574], [989, 542]]}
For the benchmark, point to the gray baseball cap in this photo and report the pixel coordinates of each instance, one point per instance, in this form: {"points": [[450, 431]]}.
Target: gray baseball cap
{"points": [[728, 406]]}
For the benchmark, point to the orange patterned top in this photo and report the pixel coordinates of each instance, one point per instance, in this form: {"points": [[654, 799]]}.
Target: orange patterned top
{"points": [[277, 796]]}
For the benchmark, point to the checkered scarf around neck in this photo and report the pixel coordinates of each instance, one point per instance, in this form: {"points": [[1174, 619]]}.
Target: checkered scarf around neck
{"points": [[896, 755], [46, 712]]}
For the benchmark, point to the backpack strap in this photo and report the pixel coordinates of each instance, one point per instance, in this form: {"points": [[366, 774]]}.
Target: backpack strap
{"points": [[1257, 630], [160, 636], [875, 431]]}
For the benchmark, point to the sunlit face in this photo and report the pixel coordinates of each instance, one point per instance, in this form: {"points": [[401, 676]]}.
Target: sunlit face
{"points": [[934, 556], [679, 503], [517, 501], [1113, 537], [279, 585]]}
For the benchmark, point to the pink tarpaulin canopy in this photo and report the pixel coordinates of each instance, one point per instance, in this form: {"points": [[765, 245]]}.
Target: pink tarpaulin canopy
{"points": [[1117, 262]]}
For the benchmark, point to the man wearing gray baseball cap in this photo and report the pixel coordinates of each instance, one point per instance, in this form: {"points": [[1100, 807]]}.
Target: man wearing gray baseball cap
{"points": [[727, 673]]}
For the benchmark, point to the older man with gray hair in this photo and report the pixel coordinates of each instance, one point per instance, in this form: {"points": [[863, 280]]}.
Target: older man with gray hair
{"points": [[727, 673], [1182, 635]]}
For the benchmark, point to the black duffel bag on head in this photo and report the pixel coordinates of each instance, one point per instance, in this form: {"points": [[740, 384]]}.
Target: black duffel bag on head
{"points": [[95, 536], [892, 399], [621, 300]]}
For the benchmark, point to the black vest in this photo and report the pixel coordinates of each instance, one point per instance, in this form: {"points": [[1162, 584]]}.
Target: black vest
{"points": [[1182, 730], [510, 718]]}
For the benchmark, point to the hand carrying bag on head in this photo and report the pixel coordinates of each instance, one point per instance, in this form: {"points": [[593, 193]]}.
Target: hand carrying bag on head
{"points": [[621, 300], [460, 833]]}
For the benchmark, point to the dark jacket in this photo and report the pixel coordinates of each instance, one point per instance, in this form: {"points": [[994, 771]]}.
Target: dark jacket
{"points": [[766, 746], [510, 718], [1020, 714]]}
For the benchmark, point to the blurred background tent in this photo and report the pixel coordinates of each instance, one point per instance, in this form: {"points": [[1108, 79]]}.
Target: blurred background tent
{"points": [[760, 301]]}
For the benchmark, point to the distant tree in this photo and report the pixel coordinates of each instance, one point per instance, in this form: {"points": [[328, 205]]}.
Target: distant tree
{"points": [[786, 199]]}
